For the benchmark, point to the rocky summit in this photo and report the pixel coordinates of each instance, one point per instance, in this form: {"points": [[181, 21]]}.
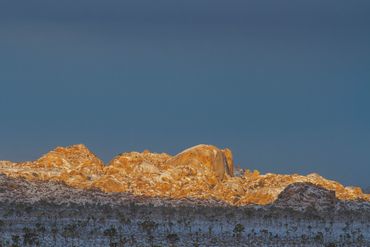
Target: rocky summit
{"points": [[202, 172]]}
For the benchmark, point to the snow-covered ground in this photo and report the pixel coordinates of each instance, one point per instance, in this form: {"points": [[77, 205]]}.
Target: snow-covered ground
{"points": [[47, 214]]}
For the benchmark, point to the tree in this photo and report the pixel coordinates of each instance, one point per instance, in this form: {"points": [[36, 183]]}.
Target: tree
{"points": [[15, 239], [70, 231], [319, 237], [148, 226], [41, 229], [30, 237], [54, 232], [238, 230], [110, 233], [172, 238]]}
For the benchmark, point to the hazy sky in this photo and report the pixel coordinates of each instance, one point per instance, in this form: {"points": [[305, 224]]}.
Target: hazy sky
{"points": [[284, 84]]}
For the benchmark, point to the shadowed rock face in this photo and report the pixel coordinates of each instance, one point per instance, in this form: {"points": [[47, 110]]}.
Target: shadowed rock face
{"points": [[301, 196], [202, 172]]}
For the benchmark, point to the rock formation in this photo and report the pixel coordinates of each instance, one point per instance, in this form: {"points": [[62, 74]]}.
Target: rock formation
{"points": [[301, 196], [201, 172]]}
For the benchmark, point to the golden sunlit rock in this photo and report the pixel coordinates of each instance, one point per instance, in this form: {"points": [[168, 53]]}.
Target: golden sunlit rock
{"points": [[202, 171], [205, 155]]}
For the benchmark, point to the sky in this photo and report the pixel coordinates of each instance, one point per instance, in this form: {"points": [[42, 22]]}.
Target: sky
{"points": [[284, 84]]}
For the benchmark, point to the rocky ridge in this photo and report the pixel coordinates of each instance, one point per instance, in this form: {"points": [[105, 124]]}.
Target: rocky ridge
{"points": [[203, 172]]}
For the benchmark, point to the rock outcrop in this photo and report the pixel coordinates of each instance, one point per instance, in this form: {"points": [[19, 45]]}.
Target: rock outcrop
{"points": [[218, 161], [201, 172], [303, 196]]}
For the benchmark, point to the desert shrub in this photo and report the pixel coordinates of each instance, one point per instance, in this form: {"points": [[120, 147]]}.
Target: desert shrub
{"points": [[172, 238], [238, 229]]}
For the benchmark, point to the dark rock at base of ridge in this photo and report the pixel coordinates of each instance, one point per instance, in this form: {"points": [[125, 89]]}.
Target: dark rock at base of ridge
{"points": [[304, 196]]}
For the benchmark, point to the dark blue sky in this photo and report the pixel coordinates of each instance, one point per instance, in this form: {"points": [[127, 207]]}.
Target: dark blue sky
{"points": [[284, 84]]}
